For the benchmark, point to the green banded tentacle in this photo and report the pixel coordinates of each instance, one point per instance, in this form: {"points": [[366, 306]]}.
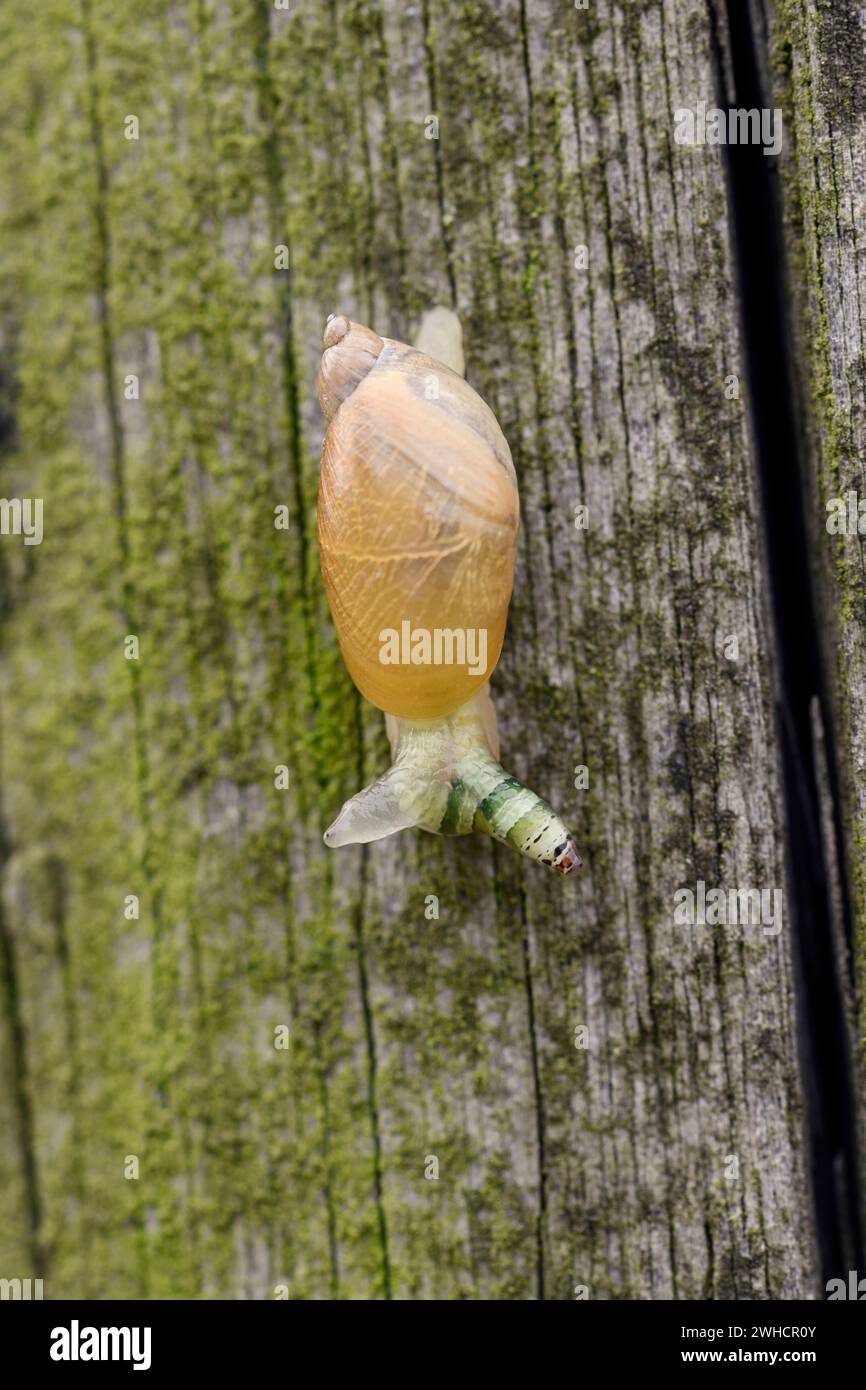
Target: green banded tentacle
{"points": [[481, 796]]}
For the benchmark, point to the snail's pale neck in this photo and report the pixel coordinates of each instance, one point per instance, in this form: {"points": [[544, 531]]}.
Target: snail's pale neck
{"points": [[351, 350], [446, 740]]}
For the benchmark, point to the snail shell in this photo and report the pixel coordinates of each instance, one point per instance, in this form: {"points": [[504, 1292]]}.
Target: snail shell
{"points": [[417, 517]]}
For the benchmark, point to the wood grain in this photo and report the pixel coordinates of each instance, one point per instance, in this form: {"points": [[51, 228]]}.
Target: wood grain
{"points": [[589, 258]]}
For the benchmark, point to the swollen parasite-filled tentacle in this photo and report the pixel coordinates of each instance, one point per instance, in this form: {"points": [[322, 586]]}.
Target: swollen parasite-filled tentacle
{"points": [[445, 779]]}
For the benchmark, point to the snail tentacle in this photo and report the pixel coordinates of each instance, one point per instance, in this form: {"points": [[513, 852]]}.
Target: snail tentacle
{"points": [[403, 798]]}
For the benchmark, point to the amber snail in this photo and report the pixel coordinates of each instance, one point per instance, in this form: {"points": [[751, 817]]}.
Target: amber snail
{"points": [[417, 526]]}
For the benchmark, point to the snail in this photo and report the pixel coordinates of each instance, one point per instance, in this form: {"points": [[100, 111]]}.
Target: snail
{"points": [[417, 526]]}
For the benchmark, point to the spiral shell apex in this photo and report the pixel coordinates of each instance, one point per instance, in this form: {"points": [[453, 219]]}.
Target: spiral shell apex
{"points": [[417, 523], [350, 352]]}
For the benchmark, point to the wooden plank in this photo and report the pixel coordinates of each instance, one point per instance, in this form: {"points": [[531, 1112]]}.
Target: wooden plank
{"points": [[610, 1167]]}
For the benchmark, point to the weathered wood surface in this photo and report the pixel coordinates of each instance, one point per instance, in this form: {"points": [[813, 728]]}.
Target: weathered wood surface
{"points": [[820, 76], [609, 1167]]}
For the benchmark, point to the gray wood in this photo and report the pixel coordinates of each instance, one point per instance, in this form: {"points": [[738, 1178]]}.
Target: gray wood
{"points": [[666, 1159]]}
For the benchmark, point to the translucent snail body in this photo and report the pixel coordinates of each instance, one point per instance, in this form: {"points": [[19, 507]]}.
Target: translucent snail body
{"points": [[417, 524]]}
